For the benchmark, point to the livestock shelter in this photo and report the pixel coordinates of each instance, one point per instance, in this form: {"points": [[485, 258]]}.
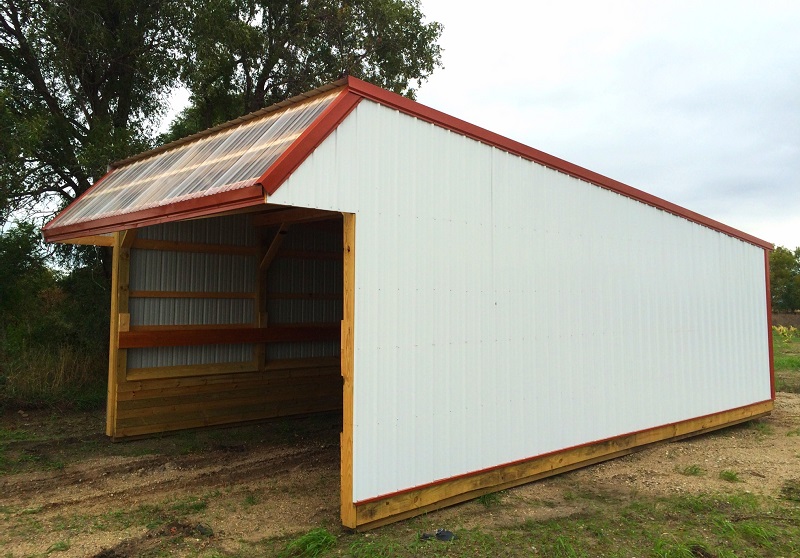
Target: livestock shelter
{"points": [[484, 314]]}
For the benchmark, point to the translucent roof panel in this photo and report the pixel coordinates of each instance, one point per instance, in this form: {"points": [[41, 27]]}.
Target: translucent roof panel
{"points": [[230, 159]]}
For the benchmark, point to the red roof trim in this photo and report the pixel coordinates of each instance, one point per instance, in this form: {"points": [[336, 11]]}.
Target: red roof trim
{"points": [[196, 207], [308, 141], [482, 135]]}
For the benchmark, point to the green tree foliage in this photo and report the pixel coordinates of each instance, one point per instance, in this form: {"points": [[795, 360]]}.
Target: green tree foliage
{"points": [[80, 84], [247, 54], [784, 278]]}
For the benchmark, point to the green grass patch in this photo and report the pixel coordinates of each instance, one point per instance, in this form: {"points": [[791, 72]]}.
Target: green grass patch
{"points": [[315, 543], [693, 471], [787, 362], [188, 505], [490, 500], [729, 476]]}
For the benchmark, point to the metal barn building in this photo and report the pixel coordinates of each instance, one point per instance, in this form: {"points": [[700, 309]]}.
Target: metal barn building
{"points": [[483, 313]]}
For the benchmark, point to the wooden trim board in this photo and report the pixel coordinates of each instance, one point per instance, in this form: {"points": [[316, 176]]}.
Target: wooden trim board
{"points": [[347, 508], [117, 356], [395, 507]]}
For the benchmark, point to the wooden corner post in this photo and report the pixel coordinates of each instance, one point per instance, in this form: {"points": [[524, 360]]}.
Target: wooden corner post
{"points": [[348, 508], [119, 321]]}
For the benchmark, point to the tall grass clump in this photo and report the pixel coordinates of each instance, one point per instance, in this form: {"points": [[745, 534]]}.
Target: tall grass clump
{"points": [[53, 326]]}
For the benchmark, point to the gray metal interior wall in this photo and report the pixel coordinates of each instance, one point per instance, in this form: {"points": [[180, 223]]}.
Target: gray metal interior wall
{"points": [[306, 276], [168, 270]]}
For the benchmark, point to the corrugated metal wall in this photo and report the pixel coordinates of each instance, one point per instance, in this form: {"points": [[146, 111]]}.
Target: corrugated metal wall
{"points": [[161, 270], [505, 310], [317, 278]]}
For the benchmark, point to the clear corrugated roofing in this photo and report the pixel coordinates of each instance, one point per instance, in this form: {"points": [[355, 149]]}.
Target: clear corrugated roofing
{"points": [[228, 160]]}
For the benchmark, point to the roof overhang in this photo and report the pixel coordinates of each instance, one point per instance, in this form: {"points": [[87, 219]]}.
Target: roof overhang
{"points": [[349, 92]]}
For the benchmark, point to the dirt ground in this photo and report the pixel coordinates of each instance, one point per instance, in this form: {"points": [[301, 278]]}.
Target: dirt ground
{"points": [[64, 487]]}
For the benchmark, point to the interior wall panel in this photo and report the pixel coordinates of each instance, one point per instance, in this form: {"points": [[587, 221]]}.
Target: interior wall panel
{"points": [[182, 271]]}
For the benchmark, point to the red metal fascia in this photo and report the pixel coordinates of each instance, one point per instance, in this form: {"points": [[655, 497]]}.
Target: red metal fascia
{"points": [[543, 455], [304, 145], [187, 209], [769, 326], [482, 135]]}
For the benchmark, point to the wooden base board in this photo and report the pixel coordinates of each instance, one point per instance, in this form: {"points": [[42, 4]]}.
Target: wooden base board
{"points": [[376, 513]]}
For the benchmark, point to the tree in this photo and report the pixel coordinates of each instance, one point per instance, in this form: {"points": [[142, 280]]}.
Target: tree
{"points": [[81, 82], [247, 54], [784, 278]]}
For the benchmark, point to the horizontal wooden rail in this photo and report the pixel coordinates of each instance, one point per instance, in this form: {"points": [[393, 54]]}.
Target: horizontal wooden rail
{"points": [[224, 336]]}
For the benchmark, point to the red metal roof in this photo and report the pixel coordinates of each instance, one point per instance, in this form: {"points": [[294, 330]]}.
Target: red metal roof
{"points": [[282, 162]]}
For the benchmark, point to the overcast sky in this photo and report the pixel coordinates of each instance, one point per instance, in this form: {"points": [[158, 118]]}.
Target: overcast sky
{"points": [[695, 102]]}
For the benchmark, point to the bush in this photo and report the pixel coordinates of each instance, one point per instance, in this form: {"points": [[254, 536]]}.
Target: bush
{"points": [[53, 326]]}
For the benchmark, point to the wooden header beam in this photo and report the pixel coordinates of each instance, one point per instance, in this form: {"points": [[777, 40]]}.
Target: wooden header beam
{"points": [[138, 339]]}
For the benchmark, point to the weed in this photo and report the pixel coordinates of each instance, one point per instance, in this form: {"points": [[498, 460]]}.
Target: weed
{"points": [[668, 549], [374, 548], [786, 334], [693, 471], [761, 427], [795, 432], [491, 499], [188, 505], [60, 546], [563, 548], [250, 499], [759, 533], [312, 544], [729, 476]]}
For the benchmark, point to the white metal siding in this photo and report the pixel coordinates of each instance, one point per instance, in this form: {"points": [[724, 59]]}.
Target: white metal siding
{"points": [[505, 310]]}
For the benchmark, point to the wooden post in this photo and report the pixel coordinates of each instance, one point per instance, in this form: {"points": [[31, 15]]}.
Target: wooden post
{"points": [[119, 321], [348, 509]]}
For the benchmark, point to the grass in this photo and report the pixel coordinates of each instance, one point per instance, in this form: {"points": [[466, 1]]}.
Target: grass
{"points": [[693, 471], [490, 500], [40, 377], [786, 349], [729, 476], [315, 543]]}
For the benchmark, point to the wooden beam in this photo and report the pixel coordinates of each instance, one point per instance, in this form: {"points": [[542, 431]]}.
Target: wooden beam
{"points": [[95, 240], [170, 246], [119, 319], [224, 336], [190, 370], [347, 507], [380, 511], [189, 294], [274, 246], [294, 215]]}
